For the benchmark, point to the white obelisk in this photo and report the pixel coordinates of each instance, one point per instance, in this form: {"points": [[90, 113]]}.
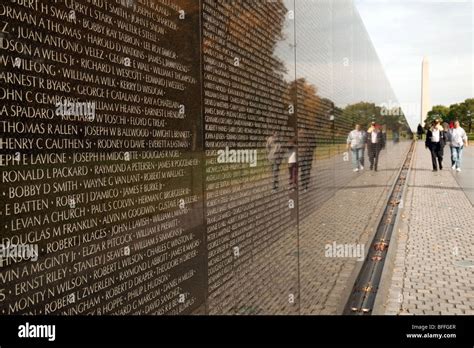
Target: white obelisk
{"points": [[425, 90]]}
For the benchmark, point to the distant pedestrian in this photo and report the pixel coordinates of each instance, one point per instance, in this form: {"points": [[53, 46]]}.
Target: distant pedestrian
{"points": [[275, 157], [356, 141], [420, 132], [459, 139], [435, 141], [293, 163], [375, 144]]}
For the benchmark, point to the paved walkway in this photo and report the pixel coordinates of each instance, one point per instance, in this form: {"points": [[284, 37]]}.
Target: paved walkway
{"points": [[466, 179], [431, 273], [349, 216], [290, 273]]}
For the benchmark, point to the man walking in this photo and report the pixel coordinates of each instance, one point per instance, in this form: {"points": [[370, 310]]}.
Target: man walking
{"points": [[458, 139], [420, 132], [435, 142], [356, 143], [375, 144]]}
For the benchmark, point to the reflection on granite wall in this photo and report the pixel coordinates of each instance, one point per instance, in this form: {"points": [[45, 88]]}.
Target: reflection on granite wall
{"points": [[183, 156], [246, 100]]}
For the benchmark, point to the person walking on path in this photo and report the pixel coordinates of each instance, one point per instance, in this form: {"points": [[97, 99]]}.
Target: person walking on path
{"points": [[458, 139], [420, 132], [375, 144], [435, 141], [447, 130], [275, 157], [356, 141]]}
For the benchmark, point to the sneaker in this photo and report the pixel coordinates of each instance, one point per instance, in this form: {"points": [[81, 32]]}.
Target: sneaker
{"points": [[453, 167], [361, 167], [356, 170], [458, 169]]}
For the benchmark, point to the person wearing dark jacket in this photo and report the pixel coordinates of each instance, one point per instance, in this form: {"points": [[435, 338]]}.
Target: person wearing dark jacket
{"points": [[420, 132], [375, 144], [436, 139]]}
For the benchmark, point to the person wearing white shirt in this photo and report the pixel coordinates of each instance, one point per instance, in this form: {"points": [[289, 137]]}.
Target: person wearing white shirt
{"points": [[356, 143], [459, 139], [293, 163]]}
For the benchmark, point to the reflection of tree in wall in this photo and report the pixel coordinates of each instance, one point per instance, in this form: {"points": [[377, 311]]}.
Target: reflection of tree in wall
{"points": [[363, 113], [256, 25], [262, 24], [258, 20], [313, 114], [308, 106], [250, 33], [309, 112]]}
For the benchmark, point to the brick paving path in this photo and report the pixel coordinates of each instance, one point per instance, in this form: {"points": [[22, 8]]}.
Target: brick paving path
{"points": [[350, 216], [339, 206], [428, 277]]}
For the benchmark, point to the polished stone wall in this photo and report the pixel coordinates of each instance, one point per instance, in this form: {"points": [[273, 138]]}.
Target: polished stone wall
{"points": [[134, 154]]}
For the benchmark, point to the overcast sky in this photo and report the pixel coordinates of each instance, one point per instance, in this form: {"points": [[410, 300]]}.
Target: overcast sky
{"points": [[403, 31]]}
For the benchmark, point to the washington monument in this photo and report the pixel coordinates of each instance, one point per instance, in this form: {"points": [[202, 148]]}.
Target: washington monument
{"points": [[425, 90]]}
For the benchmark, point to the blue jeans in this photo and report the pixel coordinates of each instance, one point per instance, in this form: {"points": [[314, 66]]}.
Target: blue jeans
{"points": [[457, 155], [357, 157]]}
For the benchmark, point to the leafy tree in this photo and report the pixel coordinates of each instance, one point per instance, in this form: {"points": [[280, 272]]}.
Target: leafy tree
{"points": [[362, 113], [438, 112], [463, 112], [466, 114]]}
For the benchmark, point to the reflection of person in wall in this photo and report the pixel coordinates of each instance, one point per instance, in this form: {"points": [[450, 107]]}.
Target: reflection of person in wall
{"points": [[275, 157], [435, 142], [306, 146], [293, 163], [420, 132], [356, 143], [396, 134], [375, 144]]}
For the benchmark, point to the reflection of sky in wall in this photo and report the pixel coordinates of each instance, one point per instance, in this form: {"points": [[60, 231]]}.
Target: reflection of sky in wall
{"points": [[285, 50], [403, 31], [334, 53]]}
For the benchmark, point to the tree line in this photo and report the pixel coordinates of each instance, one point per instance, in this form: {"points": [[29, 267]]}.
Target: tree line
{"points": [[463, 112]]}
